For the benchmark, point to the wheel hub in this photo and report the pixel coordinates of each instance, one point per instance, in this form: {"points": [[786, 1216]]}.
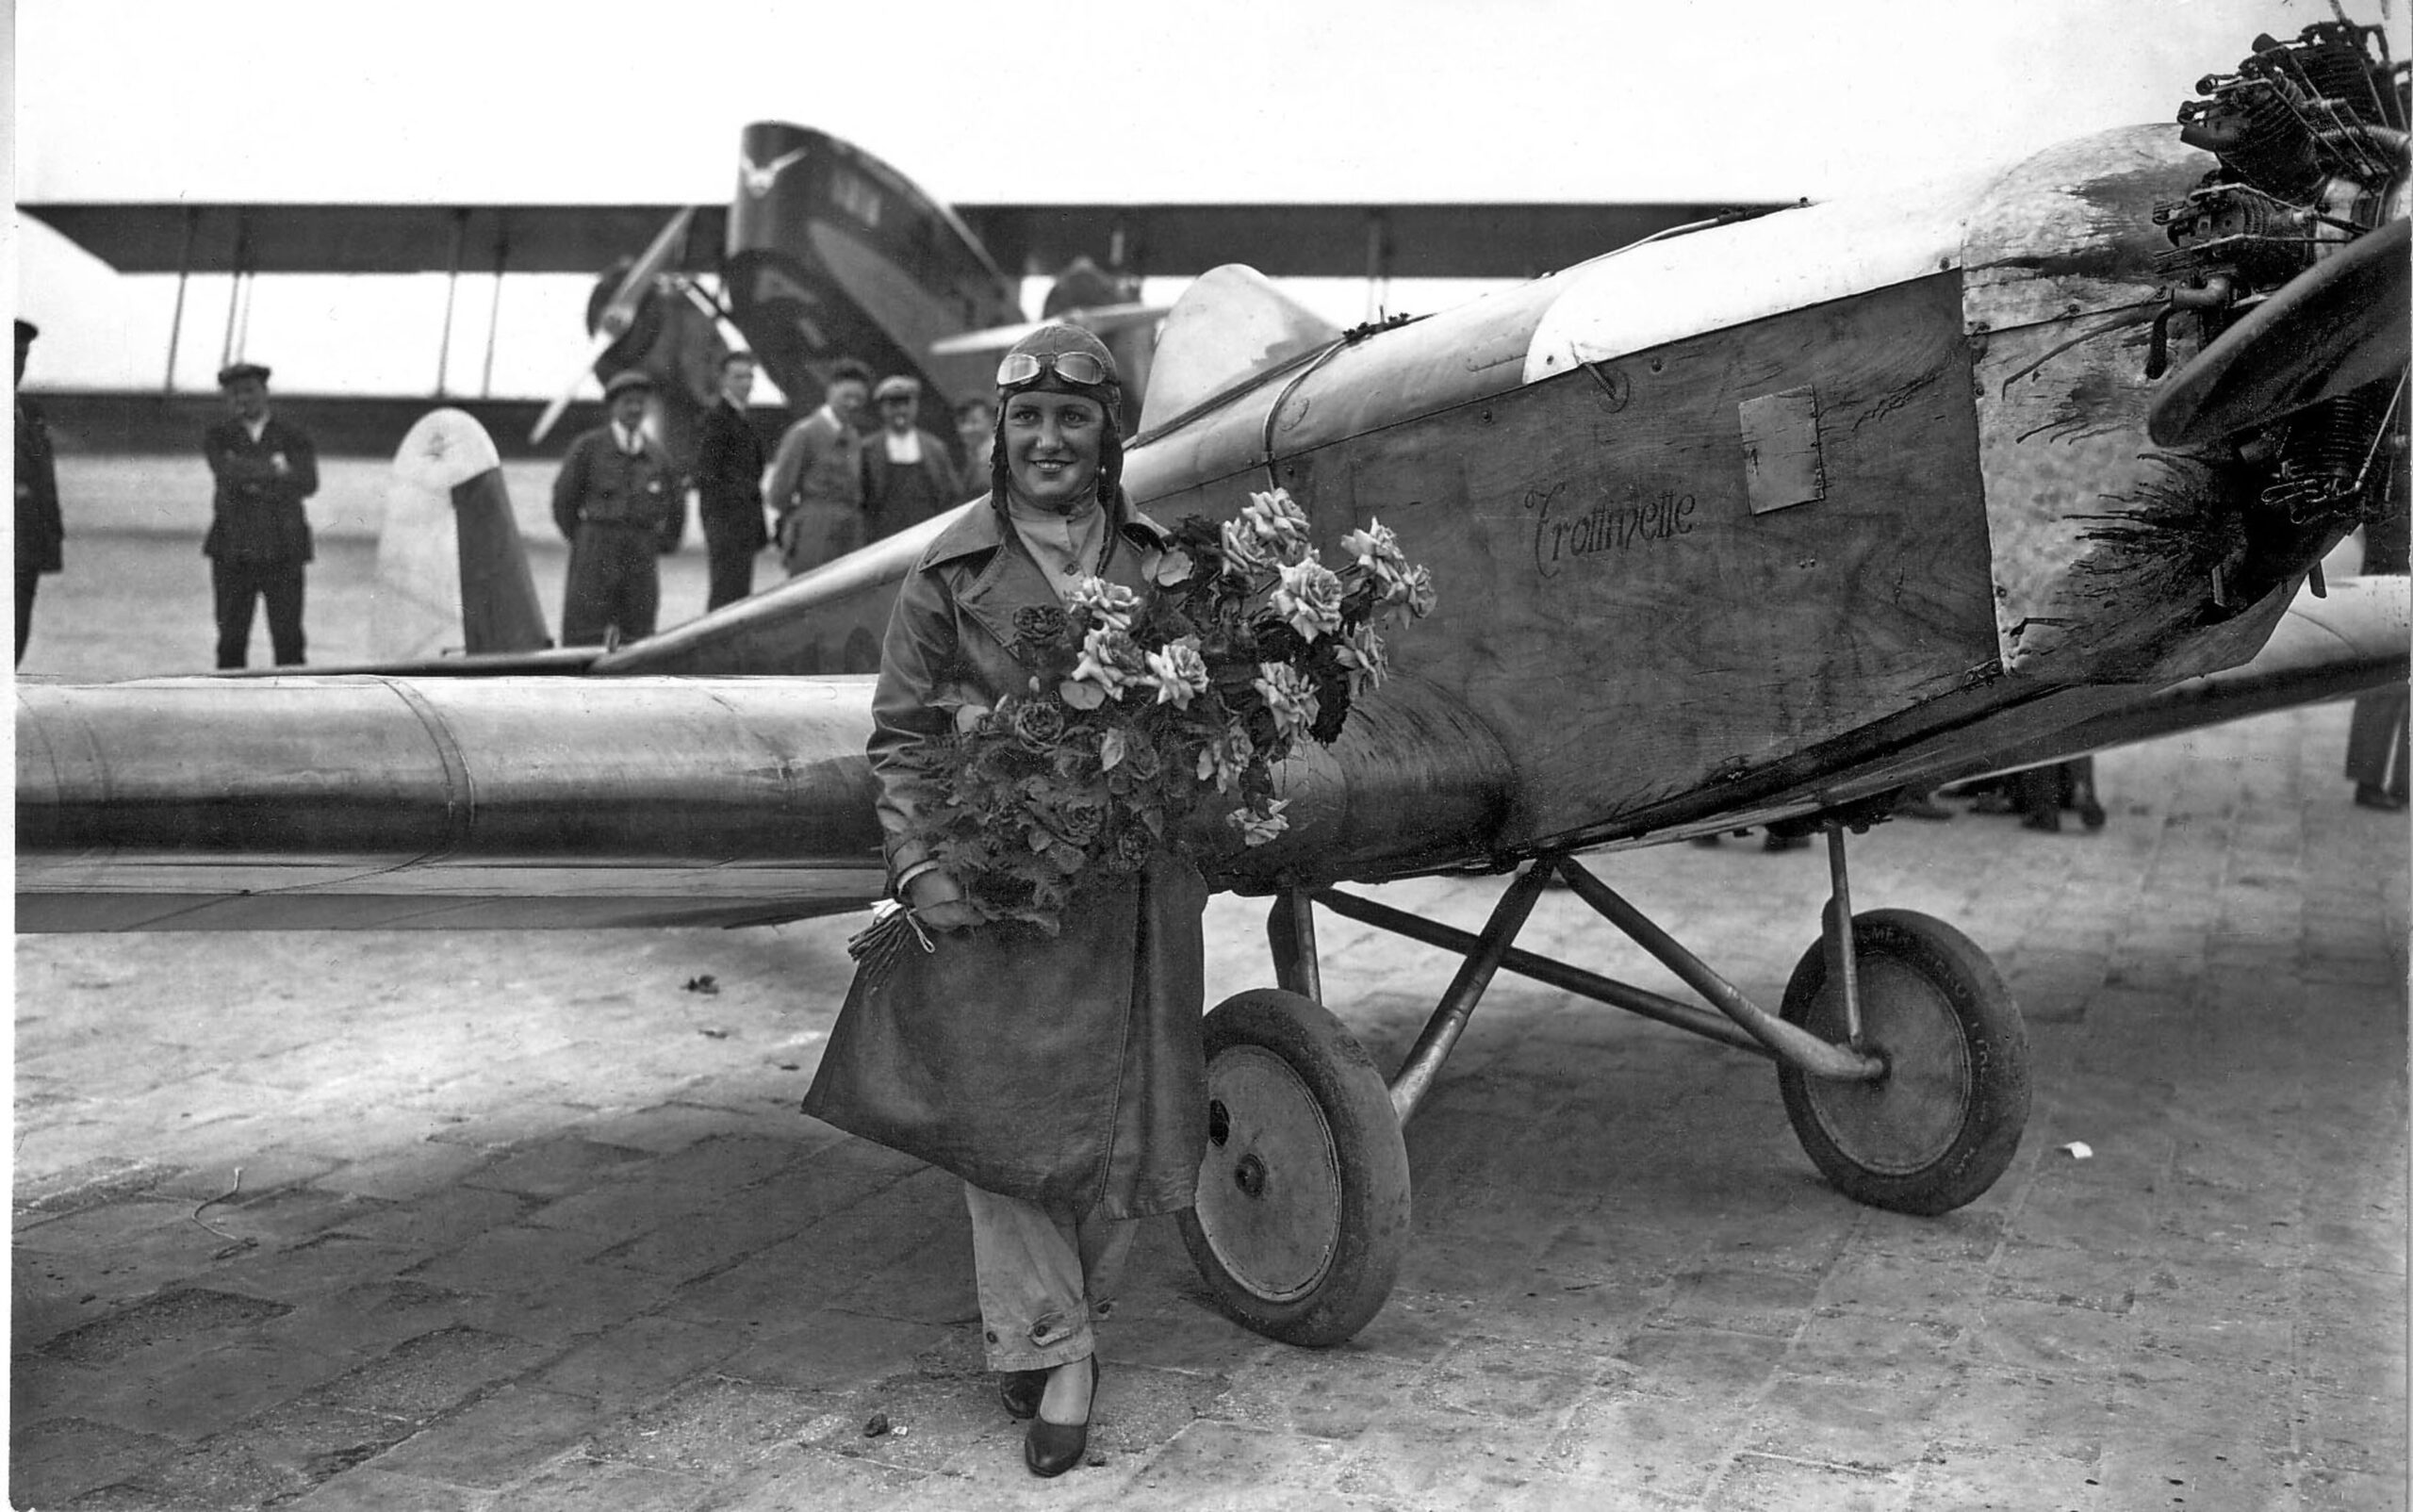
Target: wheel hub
{"points": [[1908, 1117], [1268, 1193]]}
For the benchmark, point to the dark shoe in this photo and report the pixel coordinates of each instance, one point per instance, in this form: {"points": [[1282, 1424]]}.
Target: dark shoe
{"points": [[1050, 1449], [1020, 1390], [1921, 808], [1778, 842], [2372, 796]]}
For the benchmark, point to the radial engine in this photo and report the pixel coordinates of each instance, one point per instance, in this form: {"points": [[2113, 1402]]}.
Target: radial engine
{"points": [[2311, 135]]}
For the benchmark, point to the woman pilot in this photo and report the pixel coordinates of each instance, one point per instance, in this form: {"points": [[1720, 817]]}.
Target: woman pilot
{"points": [[1060, 1076]]}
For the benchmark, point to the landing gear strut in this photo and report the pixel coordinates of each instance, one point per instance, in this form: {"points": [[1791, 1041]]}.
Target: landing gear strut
{"points": [[1899, 1055]]}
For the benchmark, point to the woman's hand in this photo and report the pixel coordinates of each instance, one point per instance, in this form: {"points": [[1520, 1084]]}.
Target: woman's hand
{"points": [[937, 902]]}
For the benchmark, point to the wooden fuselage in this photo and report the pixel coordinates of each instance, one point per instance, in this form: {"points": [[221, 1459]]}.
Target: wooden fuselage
{"points": [[1754, 521]]}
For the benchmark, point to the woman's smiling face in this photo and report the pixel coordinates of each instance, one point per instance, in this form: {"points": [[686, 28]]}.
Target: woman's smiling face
{"points": [[1052, 447]]}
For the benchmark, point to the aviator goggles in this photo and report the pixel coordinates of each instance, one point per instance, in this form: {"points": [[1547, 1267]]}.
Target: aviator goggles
{"points": [[1073, 367]]}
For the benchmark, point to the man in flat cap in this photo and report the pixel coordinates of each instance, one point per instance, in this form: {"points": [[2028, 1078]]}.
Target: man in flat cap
{"points": [[620, 503], [907, 475], [259, 540], [39, 530], [729, 456], [817, 484]]}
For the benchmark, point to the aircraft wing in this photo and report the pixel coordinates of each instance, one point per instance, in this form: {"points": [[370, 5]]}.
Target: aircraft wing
{"points": [[381, 803], [377, 239], [1427, 240], [535, 802], [2353, 640], [1433, 241]]}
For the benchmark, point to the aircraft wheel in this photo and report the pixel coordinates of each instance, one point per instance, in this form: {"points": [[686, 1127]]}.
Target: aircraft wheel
{"points": [[1303, 1207], [1944, 1120]]}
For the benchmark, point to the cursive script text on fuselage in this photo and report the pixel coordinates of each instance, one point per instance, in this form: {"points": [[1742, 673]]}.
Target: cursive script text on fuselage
{"points": [[1625, 521]]}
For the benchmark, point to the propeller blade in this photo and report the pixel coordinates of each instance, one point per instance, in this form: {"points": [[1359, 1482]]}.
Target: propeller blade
{"points": [[619, 312], [1101, 319], [621, 308], [598, 345], [988, 338], [1105, 317], [2337, 326]]}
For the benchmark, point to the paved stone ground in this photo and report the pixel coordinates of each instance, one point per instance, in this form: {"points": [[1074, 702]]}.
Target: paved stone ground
{"points": [[528, 1221]]}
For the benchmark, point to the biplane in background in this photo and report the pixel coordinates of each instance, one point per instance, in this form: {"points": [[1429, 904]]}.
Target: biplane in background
{"points": [[826, 251], [1769, 523]]}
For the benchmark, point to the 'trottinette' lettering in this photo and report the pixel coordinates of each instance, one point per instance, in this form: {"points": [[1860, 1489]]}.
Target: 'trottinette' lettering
{"points": [[1611, 527]]}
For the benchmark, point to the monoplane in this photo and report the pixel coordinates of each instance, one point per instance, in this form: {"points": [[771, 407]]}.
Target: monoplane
{"points": [[1769, 523]]}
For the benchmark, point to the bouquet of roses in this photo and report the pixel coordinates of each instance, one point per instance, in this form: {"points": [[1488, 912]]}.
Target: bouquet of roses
{"points": [[1141, 704]]}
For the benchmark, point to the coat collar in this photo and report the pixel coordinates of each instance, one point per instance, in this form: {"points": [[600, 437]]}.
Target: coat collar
{"points": [[982, 528], [607, 438], [1008, 580]]}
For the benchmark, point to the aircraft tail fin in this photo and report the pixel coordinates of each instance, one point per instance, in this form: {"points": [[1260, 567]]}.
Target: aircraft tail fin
{"points": [[1232, 326], [452, 570]]}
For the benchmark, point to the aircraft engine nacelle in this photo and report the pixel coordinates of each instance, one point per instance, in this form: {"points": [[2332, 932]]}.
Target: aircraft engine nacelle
{"points": [[833, 253]]}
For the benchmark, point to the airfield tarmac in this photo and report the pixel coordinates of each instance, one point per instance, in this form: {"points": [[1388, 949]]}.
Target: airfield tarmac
{"points": [[529, 1221]]}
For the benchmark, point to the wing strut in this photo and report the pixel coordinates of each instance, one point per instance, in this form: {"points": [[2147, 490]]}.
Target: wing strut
{"points": [[184, 275], [452, 292], [228, 350], [494, 309]]}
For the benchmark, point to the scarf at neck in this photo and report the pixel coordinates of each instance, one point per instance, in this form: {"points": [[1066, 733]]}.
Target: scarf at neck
{"points": [[1067, 548]]}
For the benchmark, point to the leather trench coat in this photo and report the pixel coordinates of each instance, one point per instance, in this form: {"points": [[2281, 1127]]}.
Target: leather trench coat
{"points": [[1066, 1071]]}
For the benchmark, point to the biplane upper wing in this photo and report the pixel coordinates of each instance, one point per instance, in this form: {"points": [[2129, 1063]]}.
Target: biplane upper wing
{"points": [[1471, 240], [1328, 241], [375, 239]]}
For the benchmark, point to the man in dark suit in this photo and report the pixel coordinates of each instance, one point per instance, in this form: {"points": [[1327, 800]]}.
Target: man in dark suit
{"points": [[620, 503], [908, 473], [729, 457], [39, 530], [259, 540]]}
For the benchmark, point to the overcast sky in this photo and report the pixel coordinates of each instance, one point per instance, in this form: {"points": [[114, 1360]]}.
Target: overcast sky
{"points": [[511, 100]]}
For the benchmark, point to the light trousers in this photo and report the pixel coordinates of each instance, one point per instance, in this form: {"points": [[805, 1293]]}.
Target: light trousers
{"points": [[1043, 1280]]}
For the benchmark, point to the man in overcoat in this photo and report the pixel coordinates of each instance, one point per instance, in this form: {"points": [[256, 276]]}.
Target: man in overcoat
{"points": [[259, 542], [817, 484], [908, 474], [1062, 1076], [728, 485], [620, 505], [40, 534]]}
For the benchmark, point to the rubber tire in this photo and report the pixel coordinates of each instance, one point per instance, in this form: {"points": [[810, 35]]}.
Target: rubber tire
{"points": [[1954, 1117], [1282, 1055]]}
